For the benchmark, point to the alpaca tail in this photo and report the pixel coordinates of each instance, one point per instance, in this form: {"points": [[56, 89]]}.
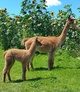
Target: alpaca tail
{"points": [[4, 54], [23, 41]]}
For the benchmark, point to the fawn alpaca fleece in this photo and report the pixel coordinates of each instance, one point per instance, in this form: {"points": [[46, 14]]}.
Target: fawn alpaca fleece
{"points": [[23, 56], [54, 41]]}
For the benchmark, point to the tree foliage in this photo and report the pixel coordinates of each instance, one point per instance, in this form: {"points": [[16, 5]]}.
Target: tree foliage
{"points": [[9, 31], [35, 20]]}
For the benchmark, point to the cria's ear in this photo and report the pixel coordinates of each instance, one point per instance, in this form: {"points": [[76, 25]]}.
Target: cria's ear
{"points": [[37, 39]]}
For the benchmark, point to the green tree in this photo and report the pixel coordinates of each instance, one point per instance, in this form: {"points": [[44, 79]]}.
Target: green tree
{"points": [[9, 31], [37, 20]]}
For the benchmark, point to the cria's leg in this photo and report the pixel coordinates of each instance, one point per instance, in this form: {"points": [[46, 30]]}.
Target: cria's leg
{"points": [[31, 65], [31, 62], [7, 64], [27, 66], [8, 72], [24, 71], [50, 60], [4, 74]]}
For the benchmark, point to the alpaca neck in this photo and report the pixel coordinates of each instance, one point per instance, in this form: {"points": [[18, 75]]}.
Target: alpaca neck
{"points": [[62, 37], [32, 48]]}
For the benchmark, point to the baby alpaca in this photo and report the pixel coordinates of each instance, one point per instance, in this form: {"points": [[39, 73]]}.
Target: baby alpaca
{"points": [[23, 56]]}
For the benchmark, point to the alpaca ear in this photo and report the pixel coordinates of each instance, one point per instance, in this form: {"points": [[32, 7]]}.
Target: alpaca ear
{"points": [[69, 16], [37, 39]]}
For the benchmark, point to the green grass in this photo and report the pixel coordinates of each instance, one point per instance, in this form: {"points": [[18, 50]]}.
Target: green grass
{"points": [[65, 77]]}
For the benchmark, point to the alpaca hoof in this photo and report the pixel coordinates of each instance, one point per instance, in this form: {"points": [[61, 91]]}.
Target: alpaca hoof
{"points": [[23, 79], [50, 68]]}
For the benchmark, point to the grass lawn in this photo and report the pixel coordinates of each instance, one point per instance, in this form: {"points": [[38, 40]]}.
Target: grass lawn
{"points": [[64, 77]]}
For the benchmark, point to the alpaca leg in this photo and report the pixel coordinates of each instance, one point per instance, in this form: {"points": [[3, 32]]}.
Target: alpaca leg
{"points": [[4, 74], [8, 72], [31, 65], [24, 71], [5, 71], [50, 61], [31, 62], [27, 66]]}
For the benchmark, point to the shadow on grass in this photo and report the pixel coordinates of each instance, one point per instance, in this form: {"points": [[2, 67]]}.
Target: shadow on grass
{"points": [[33, 79], [56, 67], [40, 69], [59, 67], [19, 80], [40, 78]]}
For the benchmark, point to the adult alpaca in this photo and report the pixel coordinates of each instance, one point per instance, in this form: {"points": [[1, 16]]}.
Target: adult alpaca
{"points": [[21, 55], [51, 43]]}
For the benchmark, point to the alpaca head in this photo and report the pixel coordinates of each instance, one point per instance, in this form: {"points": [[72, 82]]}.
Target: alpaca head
{"points": [[71, 20]]}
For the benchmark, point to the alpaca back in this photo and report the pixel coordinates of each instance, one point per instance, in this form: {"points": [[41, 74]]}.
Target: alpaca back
{"points": [[4, 54], [17, 54], [21, 55]]}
